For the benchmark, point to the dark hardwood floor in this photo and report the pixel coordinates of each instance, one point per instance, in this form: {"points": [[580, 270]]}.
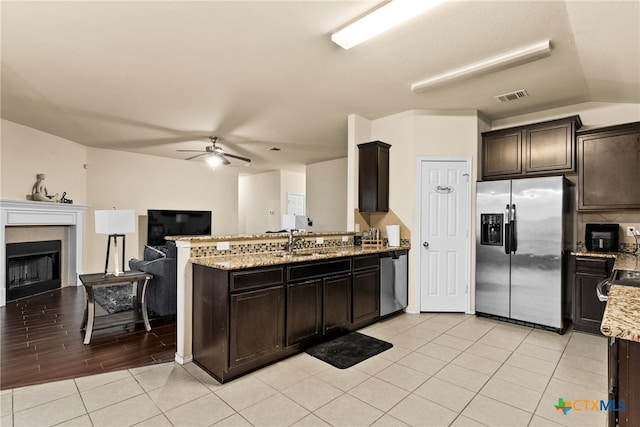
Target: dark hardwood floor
{"points": [[41, 341]]}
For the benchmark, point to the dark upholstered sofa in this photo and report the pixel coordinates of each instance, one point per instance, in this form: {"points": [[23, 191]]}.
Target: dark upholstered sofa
{"points": [[161, 290]]}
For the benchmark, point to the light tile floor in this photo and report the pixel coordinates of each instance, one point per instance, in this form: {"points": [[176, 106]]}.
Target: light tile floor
{"points": [[444, 369]]}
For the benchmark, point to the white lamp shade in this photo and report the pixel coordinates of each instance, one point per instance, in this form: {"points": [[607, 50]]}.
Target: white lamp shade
{"points": [[115, 221]]}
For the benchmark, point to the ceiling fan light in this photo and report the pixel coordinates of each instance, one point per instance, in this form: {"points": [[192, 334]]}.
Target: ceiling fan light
{"points": [[214, 160], [380, 20]]}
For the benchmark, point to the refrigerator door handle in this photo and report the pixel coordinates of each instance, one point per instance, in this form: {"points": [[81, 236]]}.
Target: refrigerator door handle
{"points": [[507, 231], [513, 244]]}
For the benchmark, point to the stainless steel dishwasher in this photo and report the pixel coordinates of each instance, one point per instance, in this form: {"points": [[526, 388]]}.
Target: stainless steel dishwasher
{"points": [[393, 281]]}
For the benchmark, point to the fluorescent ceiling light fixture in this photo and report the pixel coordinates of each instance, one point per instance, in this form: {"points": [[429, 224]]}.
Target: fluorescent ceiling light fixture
{"points": [[380, 20], [496, 63]]}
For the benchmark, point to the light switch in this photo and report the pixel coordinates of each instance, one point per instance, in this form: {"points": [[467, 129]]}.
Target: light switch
{"points": [[222, 246]]}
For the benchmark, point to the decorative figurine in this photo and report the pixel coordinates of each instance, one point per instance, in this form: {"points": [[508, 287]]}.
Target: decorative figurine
{"points": [[64, 199], [39, 191]]}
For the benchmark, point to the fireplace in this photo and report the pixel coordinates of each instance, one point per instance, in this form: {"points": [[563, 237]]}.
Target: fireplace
{"points": [[27, 221], [32, 268]]}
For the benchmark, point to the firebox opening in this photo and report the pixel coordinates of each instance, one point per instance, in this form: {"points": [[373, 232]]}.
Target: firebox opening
{"points": [[32, 268]]}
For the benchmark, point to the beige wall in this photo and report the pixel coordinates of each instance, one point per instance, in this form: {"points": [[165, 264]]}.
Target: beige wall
{"points": [[137, 181], [592, 114], [327, 195], [291, 182], [27, 152], [259, 202], [114, 178], [415, 134], [263, 199]]}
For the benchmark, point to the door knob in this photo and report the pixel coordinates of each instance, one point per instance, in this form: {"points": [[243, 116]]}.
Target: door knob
{"points": [[426, 245]]}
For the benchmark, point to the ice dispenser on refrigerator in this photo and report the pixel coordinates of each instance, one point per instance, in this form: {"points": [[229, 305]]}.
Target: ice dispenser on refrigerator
{"points": [[491, 229]]}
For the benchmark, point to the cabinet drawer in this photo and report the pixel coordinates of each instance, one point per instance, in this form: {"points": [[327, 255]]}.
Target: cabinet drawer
{"points": [[251, 279], [319, 269], [366, 262], [594, 266]]}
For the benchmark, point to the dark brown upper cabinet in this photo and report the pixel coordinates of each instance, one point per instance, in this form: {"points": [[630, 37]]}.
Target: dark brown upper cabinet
{"points": [[373, 177], [546, 148], [609, 168]]}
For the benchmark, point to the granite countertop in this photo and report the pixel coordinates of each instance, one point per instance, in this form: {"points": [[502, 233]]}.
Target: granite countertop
{"points": [[235, 262], [258, 236], [624, 261], [622, 314]]}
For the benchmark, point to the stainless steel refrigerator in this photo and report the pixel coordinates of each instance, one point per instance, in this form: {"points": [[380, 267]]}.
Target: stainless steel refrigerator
{"points": [[524, 234]]}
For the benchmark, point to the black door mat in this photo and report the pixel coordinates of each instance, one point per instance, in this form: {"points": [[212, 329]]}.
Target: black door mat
{"points": [[348, 350]]}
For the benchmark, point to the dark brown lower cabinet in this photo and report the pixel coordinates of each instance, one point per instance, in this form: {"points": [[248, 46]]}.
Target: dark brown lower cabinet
{"points": [[238, 319], [337, 303], [366, 289], [626, 383], [245, 319], [257, 325], [587, 310], [304, 311]]}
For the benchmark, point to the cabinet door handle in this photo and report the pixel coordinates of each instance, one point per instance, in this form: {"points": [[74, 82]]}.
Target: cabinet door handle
{"points": [[426, 245]]}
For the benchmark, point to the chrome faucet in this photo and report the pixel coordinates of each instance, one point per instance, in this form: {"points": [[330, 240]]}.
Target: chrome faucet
{"points": [[291, 241]]}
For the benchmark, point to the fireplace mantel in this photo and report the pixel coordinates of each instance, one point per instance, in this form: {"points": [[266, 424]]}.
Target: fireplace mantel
{"points": [[14, 213]]}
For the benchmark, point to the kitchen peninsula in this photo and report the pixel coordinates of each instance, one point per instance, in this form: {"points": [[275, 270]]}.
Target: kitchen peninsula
{"points": [[621, 322], [260, 264]]}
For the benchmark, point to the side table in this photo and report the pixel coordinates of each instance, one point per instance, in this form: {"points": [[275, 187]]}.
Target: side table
{"points": [[128, 317]]}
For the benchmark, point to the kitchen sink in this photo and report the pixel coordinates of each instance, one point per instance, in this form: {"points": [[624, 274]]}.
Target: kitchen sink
{"points": [[627, 278], [626, 274], [294, 255]]}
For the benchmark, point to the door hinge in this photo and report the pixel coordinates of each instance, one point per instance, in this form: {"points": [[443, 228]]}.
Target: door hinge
{"points": [[466, 175]]}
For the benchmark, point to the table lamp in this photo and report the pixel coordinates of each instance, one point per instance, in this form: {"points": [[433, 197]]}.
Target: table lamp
{"points": [[115, 223]]}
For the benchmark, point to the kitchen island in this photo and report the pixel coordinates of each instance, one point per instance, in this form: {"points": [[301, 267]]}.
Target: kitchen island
{"points": [[250, 311], [225, 254]]}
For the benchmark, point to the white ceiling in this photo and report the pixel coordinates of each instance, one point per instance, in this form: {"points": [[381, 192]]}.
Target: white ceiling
{"points": [[154, 77]]}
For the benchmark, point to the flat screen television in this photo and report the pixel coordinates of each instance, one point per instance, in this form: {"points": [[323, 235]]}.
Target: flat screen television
{"points": [[164, 222]]}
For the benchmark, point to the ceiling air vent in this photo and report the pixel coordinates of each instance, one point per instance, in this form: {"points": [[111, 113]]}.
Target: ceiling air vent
{"points": [[512, 96]]}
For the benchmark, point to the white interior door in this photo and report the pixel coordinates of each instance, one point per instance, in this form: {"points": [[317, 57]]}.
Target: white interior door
{"points": [[444, 235]]}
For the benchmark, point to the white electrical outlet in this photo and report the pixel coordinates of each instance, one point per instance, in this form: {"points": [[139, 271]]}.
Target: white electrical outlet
{"points": [[345, 238], [319, 240], [222, 246], [631, 230]]}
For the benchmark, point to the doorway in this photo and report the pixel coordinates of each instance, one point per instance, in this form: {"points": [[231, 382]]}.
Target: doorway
{"points": [[444, 221]]}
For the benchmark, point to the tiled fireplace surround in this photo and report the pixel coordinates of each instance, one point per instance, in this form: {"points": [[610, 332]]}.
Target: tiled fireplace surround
{"points": [[32, 221]]}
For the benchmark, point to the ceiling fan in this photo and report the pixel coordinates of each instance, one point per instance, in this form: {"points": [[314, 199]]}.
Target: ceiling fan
{"points": [[215, 154]]}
